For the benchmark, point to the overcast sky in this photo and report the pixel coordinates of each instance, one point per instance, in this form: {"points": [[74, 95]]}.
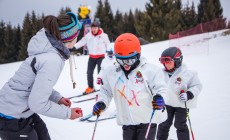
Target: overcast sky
{"points": [[14, 11]]}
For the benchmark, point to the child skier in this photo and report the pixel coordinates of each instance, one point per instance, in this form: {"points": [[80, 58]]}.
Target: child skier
{"points": [[107, 62], [138, 89], [184, 86]]}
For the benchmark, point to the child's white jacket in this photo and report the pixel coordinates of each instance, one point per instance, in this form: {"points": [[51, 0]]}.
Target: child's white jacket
{"points": [[106, 62], [133, 96], [182, 79]]}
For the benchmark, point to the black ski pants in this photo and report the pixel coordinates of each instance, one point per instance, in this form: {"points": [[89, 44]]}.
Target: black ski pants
{"points": [[137, 132], [179, 123], [91, 66], [32, 128]]}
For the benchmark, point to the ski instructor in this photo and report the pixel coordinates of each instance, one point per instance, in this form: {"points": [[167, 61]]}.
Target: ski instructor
{"points": [[96, 41], [30, 90], [138, 89]]}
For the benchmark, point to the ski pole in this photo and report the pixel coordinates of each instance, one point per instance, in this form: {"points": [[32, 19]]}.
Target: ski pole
{"points": [[95, 127], [74, 63], [190, 125], [150, 122], [84, 100], [187, 112], [71, 59]]}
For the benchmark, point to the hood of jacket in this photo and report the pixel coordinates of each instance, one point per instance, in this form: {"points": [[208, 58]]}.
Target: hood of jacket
{"points": [[44, 42]]}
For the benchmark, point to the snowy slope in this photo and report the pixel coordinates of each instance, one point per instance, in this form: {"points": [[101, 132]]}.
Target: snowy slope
{"points": [[210, 120]]}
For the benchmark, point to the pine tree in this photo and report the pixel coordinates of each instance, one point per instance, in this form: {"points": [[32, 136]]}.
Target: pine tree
{"points": [[217, 9], [138, 16], [172, 18], [143, 23], [161, 18], [125, 23], [99, 10], [35, 23], [209, 10], [119, 24], [2, 43], [105, 14], [189, 16], [17, 38], [25, 37], [40, 19], [10, 50], [129, 22], [64, 10], [109, 21]]}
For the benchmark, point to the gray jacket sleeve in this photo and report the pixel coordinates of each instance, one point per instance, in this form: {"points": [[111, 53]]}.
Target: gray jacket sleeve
{"points": [[55, 96], [48, 71]]}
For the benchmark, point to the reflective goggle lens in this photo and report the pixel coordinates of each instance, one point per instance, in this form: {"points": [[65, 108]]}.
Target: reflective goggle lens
{"points": [[110, 53], [164, 60], [129, 61]]}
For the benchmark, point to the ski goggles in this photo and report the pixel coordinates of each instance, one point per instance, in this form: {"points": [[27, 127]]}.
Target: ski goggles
{"points": [[165, 60], [110, 52], [127, 61]]}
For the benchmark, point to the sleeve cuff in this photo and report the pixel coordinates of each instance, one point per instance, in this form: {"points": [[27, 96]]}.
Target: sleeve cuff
{"points": [[190, 95]]}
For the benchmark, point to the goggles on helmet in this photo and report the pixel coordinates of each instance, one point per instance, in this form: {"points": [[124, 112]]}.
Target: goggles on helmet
{"points": [[166, 60], [110, 54], [127, 61]]}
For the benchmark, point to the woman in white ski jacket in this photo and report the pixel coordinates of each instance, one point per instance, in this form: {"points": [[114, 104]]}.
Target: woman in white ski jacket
{"points": [[183, 86], [30, 90], [136, 86]]}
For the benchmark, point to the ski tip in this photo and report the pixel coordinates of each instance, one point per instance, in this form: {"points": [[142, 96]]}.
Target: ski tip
{"points": [[101, 119], [86, 117], [83, 94]]}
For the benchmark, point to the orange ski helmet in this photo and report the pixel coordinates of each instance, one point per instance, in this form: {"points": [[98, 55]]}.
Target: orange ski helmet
{"points": [[127, 45]]}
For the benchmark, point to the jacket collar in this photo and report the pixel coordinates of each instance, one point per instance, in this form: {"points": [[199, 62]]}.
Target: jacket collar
{"points": [[59, 46], [100, 31]]}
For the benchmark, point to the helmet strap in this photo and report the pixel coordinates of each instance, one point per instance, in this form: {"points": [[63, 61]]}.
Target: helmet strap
{"points": [[171, 70]]}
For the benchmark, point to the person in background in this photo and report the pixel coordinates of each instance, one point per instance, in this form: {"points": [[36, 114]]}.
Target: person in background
{"points": [[138, 89], [30, 91], [184, 86], [107, 62], [96, 41]]}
